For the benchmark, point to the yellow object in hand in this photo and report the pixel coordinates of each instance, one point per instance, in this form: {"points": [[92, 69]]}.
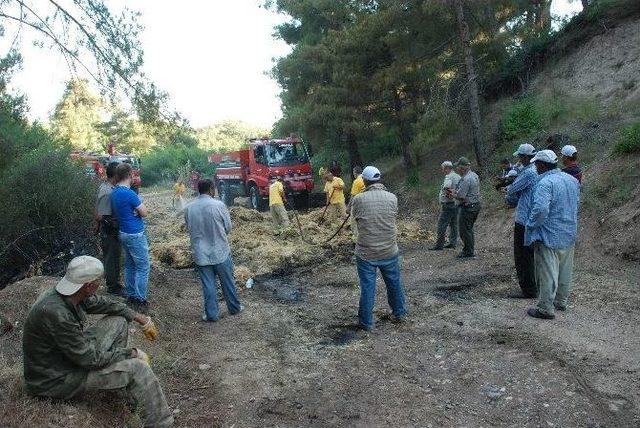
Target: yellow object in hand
{"points": [[150, 330], [143, 356]]}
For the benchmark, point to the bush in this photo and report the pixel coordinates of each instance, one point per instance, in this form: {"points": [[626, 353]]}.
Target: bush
{"points": [[44, 224], [523, 119], [163, 163], [629, 140]]}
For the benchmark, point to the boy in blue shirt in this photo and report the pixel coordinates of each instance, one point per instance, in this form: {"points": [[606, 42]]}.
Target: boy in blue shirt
{"points": [[130, 211]]}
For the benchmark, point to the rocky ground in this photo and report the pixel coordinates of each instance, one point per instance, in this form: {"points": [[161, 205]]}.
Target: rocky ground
{"points": [[467, 356]]}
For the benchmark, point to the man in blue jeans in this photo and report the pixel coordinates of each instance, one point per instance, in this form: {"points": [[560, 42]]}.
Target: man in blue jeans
{"points": [[130, 211], [209, 223], [375, 211]]}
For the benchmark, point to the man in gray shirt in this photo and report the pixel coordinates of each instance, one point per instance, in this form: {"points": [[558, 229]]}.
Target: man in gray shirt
{"points": [[375, 211], [467, 197], [209, 223], [107, 227], [448, 210]]}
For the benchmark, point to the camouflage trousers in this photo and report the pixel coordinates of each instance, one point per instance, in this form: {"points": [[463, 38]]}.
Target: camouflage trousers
{"points": [[131, 375], [336, 212]]}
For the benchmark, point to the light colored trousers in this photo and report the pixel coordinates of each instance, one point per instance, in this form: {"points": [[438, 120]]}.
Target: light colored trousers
{"points": [[279, 216], [337, 211], [133, 375], [554, 273]]}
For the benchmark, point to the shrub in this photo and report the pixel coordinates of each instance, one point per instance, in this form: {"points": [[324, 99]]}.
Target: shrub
{"points": [[164, 162], [629, 140], [523, 119], [44, 223]]}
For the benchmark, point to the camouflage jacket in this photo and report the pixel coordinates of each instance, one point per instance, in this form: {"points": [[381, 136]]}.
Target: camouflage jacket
{"points": [[58, 353]]}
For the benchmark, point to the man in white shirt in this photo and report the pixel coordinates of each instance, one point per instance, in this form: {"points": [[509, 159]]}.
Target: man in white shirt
{"points": [[449, 209]]}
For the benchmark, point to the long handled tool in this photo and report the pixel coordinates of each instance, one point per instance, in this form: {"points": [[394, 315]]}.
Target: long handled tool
{"points": [[321, 219], [340, 228], [295, 215]]}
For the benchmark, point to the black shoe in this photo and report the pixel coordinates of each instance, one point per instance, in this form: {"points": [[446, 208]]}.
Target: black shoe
{"points": [[464, 255], [560, 308], [450, 246], [535, 312], [520, 295], [118, 292], [436, 248]]}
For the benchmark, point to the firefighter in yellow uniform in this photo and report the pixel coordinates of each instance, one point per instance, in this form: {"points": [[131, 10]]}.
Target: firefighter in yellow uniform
{"points": [[334, 189], [277, 199], [356, 187], [178, 191]]}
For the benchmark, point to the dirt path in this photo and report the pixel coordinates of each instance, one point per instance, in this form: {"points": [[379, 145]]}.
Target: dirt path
{"points": [[468, 356]]}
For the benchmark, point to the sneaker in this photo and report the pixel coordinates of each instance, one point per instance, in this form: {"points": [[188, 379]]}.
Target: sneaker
{"points": [[204, 318], [521, 295], [450, 246], [535, 313], [436, 248], [560, 307]]}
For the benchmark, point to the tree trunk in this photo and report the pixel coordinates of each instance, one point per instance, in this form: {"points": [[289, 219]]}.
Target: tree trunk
{"points": [[353, 151], [404, 136], [543, 17], [472, 85]]}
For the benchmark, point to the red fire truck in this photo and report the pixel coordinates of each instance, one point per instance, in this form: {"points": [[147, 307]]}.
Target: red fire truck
{"points": [[95, 164], [246, 172]]}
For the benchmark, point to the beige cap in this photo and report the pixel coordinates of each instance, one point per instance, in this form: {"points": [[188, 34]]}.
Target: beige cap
{"points": [[81, 270]]}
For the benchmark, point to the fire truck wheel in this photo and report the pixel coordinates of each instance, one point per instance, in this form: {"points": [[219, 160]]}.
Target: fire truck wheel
{"points": [[224, 191]]}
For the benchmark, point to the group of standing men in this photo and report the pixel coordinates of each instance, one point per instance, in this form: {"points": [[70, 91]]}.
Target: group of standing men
{"points": [[546, 201]]}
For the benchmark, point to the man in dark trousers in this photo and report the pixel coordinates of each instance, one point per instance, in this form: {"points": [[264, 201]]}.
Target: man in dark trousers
{"points": [[107, 227], [467, 196], [518, 195]]}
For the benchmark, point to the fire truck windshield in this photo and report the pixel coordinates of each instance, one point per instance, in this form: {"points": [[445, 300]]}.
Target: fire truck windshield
{"points": [[286, 154]]}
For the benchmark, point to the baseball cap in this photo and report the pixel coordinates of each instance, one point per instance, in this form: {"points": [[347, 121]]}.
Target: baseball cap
{"points": [[371, 173], [569, 150], [512, 173], [81, 269], [525, 150], [547, 156], [463, 161], [447, 164]]}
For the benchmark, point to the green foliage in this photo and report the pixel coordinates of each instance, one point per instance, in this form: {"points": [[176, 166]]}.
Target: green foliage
{"points": [[629, 140], [523, 119], [227, 135], [164, 163], [129, 134]]}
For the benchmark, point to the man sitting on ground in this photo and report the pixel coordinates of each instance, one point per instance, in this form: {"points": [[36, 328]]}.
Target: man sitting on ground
{"points": [[63, 360], [552, 227], [375, 211]]}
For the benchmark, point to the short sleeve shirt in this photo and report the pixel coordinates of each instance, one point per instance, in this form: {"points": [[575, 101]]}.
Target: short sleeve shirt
{"points": [[469, 188], [124, 201], [357, 186], [337, 196], [275, 194], [103, 201]]}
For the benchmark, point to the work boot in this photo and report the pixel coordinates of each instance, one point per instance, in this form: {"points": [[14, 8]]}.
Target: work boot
{"points": [[450, 246], [559, 307], [436, 248], [464, 255], [535, 313], [522, 295]]}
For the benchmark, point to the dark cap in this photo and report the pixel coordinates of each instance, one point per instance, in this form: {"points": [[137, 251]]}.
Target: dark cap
{"points": [[463, 161]]}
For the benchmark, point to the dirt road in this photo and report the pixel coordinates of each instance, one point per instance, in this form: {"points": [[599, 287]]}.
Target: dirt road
{"points": [[468, 356]]}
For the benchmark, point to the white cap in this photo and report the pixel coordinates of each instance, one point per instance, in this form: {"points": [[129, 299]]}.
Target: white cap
{"points": [[371, 173], [447, 164], [569, 150], [547, 156], [525, 150], [512, 173], [81, 270]]}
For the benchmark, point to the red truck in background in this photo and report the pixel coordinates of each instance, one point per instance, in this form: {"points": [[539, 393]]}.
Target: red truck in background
{"points": [[246, 172], [95, 164]]}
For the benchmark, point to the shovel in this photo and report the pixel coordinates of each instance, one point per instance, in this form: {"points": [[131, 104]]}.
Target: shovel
{"points": [[321, 219]]}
